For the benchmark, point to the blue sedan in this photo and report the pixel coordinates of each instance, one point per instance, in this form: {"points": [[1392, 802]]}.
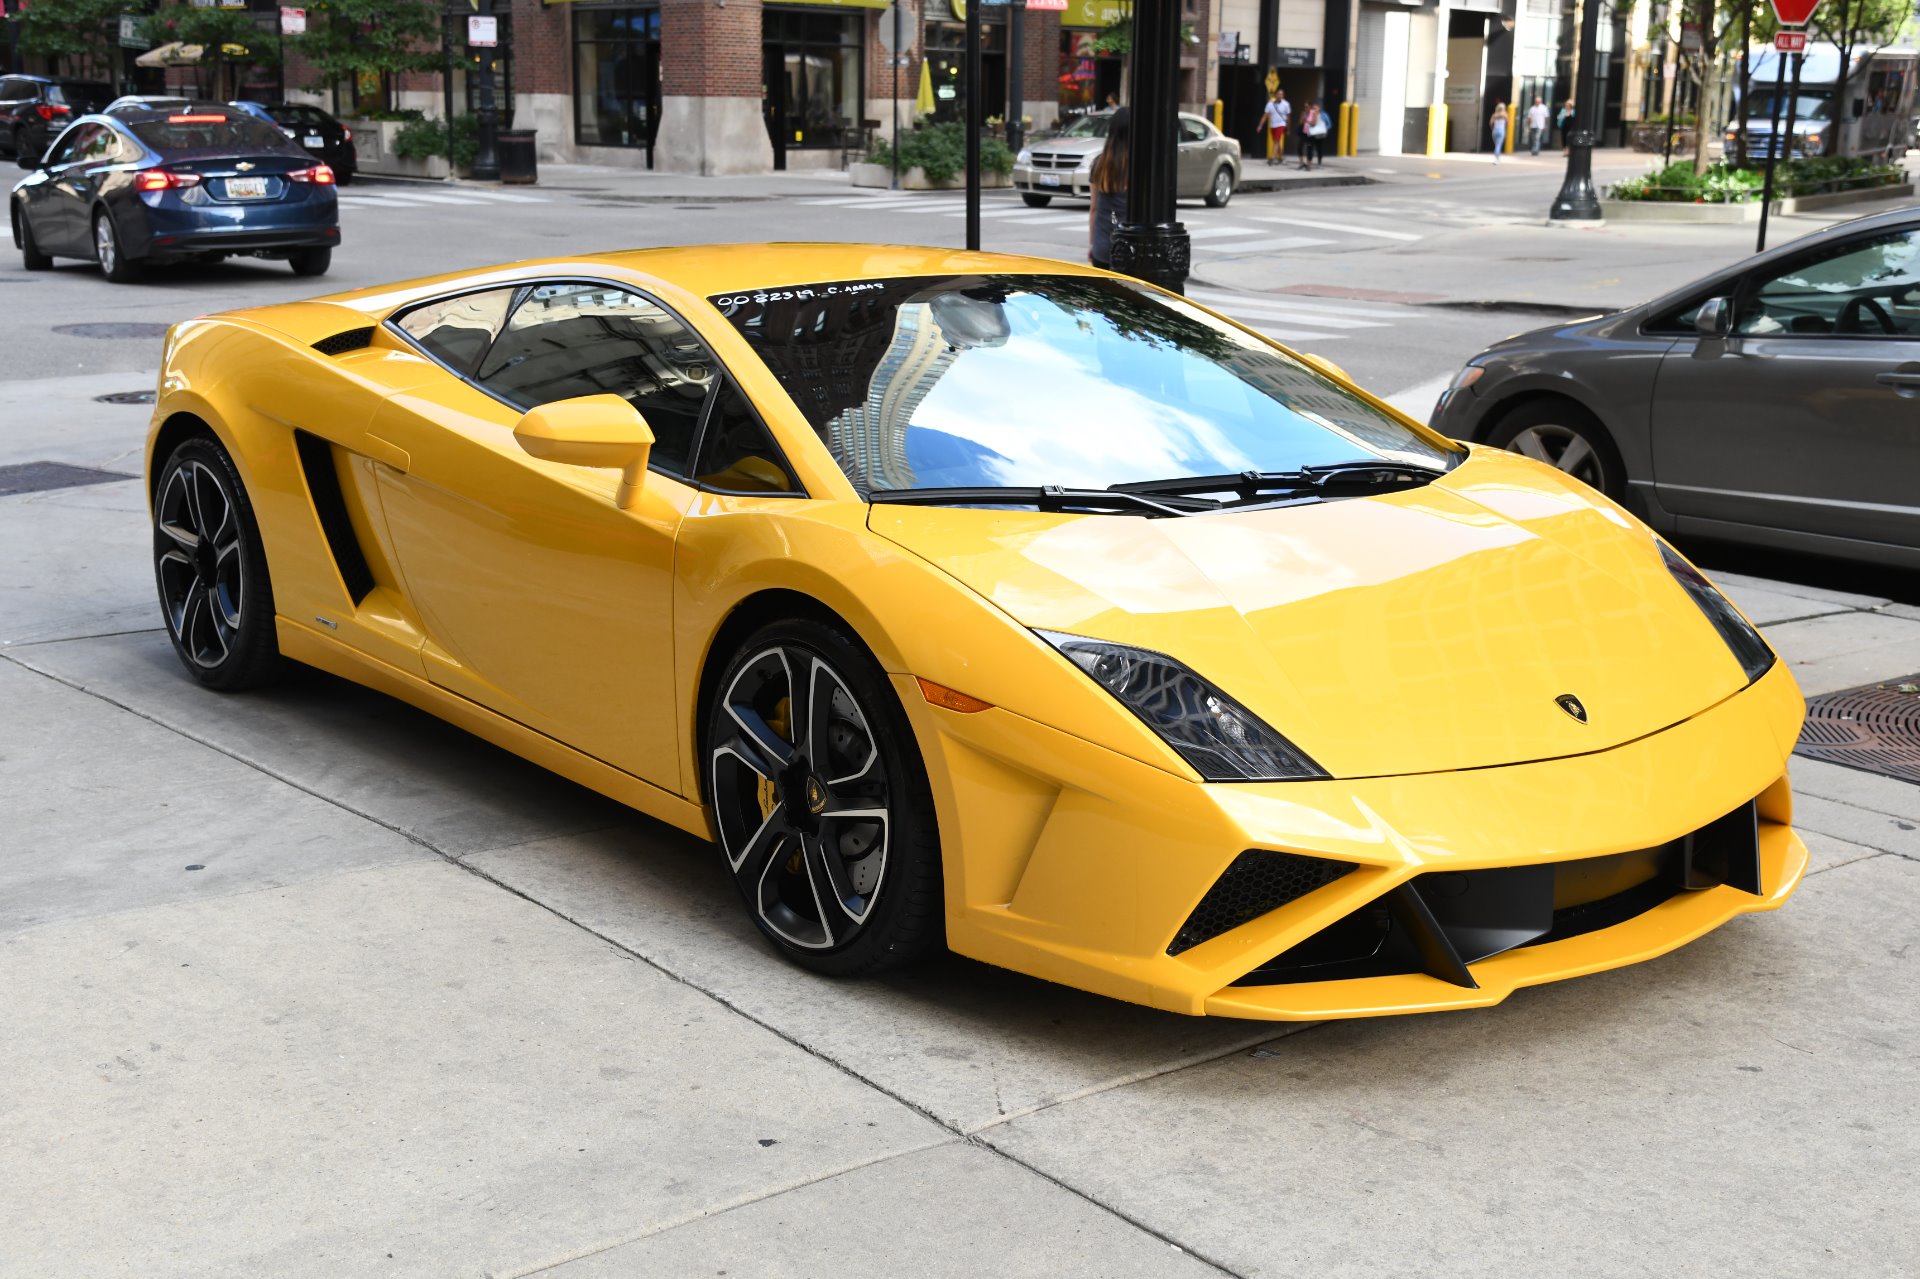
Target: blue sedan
{"points": [[158, 186]]}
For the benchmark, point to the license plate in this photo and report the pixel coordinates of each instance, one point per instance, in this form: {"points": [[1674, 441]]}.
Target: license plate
{"points": [[1049, 179], [313, 141], [246, 188]]}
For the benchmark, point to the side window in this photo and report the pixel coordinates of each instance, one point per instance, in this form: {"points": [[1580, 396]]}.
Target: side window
{"points": [[458, 330], [97, 146], [568, 340], [13, 90], [1862, 288], [736, 453], [67, 148], [1192, 130]]}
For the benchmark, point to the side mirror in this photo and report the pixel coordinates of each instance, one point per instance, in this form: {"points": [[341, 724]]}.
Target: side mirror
{"points": [[593, 430], [1327, 367], [1713, 318], [28, 161]]}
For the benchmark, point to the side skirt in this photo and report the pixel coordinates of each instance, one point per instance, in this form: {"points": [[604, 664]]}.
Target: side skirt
{"points": [[303, 644]]}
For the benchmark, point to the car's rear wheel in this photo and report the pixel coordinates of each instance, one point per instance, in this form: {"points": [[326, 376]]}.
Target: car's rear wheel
{"points": [[212, 570], [30, 255], [822, 803], [1220, 190], [1566, 437], [1034, 200], [310, 261], [107, 249]]}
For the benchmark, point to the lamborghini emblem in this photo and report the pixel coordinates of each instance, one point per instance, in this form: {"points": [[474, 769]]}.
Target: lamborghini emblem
{"points": [[1571, 705], [816, 796]]}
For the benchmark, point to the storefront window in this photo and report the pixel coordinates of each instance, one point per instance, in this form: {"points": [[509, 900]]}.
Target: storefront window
{"points": [[813, 58], [616, 76], [947, 64]]}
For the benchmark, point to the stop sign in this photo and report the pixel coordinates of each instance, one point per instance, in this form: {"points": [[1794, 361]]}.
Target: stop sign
{"points": [[1794, 13]]}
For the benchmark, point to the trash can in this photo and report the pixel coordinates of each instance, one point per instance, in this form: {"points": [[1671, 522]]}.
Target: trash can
{"points": [[518, 162]]}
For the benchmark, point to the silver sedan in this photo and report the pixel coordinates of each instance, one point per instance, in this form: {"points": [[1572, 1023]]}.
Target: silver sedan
{"points": [[1062, 165]]}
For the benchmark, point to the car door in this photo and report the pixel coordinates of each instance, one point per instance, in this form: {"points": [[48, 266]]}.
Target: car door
{"points": [[1196, 158], [61, 201], [1806, 416], [540, 597]]}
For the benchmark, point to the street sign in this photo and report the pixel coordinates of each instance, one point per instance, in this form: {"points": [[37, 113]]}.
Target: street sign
{"points": [[1790, 41], [483, 32], [1690, 37], [1288, 56], [293, 22], [1794, 13], [1058, 5], [887, 19], [130, 31]]}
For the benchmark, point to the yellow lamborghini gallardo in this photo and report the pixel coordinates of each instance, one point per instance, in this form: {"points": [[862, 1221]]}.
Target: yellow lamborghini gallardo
{"points": [[992, 603]]}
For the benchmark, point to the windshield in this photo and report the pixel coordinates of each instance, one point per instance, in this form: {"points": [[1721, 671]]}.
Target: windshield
{"points": [[1808, 105], [1080, 381], [210, 131], [1087, 126]]}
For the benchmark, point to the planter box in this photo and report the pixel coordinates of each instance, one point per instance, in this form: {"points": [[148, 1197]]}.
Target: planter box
{"points": [[1834, 199], [373, 145], [914, 179], [1724, 214]]}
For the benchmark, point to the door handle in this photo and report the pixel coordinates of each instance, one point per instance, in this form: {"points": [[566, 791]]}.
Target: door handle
{"points": [[1905, 385]]}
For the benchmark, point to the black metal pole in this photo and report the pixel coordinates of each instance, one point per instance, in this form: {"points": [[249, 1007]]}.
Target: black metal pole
{"points": [[975, 121], [1578, 201], [1773, 151], [899, 56], [1016, 75], [1151, 245], [1793, 106], [486, 159]]}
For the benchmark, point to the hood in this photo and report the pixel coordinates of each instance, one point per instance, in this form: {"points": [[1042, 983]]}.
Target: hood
{"points": [[1067, 146], [1415, 632]]}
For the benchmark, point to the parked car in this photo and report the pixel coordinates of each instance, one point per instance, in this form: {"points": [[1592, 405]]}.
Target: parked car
{"points": [[313, 129], [137, 102], [1209, 164], [33, 109], [1775, 403], [156, 186]]}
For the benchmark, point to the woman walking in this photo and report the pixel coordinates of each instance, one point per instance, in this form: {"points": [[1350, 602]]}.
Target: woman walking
{"points": [[1498, 123], [1313, 136], [1109, 189], [1564, 119]]}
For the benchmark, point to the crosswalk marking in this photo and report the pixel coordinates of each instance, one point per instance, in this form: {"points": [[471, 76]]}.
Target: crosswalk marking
{"points": [[1274, 245], [1204, 232], [1284, 307], [1346, 227]]}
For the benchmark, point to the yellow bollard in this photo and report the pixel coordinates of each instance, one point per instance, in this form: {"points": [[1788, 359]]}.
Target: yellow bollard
{"points": [[1220, 114], [1437, 129], [1513, 121], [1349, 125]]}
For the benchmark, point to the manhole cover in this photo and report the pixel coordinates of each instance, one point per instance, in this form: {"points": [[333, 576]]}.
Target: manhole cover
{"points": [[39, 477], [125, 397], [112, 330], [1875, 728]]}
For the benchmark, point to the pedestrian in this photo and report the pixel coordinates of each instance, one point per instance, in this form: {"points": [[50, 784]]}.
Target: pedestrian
{"points": [[1498, 124], [1109, 189], [1313, 134], [1274, 117], [1536, 123], [1113, 101], [1564, 119]]}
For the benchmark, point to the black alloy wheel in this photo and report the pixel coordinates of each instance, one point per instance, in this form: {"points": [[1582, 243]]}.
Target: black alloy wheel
{"points": [[822, 804], [211, 570]]}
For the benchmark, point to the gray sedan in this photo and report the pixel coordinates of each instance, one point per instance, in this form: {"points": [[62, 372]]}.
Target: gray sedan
{"points": [[1776, 403], [1062, 165]]}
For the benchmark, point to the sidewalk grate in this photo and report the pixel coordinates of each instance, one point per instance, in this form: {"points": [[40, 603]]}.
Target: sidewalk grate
{"points": [[1874, 728], [39, 477]]}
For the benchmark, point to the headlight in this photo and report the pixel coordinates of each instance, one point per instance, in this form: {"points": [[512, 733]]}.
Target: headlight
{"points": [[1755, 658], [1025, 156], [1223, 740], [1466, 377], [1086, 161]]}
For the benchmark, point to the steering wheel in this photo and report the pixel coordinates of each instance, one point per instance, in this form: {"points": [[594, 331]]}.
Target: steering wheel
{"points": [[1850, 316]]}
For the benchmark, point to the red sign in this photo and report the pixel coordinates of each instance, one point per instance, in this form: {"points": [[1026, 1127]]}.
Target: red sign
{"points": [[1790, 41], [1794, 13], [1047, 4]]}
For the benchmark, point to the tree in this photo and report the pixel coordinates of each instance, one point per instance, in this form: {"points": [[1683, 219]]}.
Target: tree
{"points": [[353, 37], [81, 35], [224, 36]]}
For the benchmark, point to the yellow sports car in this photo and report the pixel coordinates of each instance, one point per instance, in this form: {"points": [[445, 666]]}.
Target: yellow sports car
{"points": [[997, 603]]}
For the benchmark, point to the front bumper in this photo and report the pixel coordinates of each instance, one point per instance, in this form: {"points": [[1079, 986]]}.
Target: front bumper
{"points": [[1072, 863], [1072, 184]]}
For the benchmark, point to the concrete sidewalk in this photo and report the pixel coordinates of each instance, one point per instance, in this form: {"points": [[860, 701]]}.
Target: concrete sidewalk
{"points": [[307, 983]]}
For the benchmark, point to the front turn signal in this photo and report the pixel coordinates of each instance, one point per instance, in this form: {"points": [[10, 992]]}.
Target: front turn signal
{"points": [[952, 698]]}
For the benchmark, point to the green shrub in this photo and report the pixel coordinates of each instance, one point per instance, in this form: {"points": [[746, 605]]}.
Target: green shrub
{"points": [[424, 136], [1727, 184], [940, 152]]}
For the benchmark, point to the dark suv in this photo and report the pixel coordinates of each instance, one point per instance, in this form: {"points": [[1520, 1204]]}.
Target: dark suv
{"points": [[34, 109]]}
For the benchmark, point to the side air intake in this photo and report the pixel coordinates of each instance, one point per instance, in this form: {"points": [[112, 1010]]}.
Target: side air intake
{"points": [[341, 343], [1258, 881], [330, 504]]}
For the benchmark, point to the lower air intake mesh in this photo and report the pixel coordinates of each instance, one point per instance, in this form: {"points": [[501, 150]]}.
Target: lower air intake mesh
{"points": [[1257, 882]]}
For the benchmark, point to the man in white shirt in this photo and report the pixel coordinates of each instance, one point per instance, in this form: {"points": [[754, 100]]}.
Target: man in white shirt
{"points": [[1274, 118], [1536, 124]]}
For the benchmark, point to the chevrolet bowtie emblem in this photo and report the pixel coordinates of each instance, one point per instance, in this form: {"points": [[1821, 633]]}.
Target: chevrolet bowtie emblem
{"points": [[1571, 705], [244, 165]]}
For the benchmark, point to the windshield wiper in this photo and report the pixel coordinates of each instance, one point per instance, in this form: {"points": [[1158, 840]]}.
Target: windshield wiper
{"points": [[1050, 497], [1375, 477]]}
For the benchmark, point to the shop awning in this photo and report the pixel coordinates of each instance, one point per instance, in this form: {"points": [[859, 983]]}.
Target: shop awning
{"points": [[1095, 13], [173, 54], [835, 4]]}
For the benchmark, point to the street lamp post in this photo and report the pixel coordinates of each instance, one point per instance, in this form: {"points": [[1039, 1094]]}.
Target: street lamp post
{"points": [[1578, 201], [1151, 245], [486, 157]]}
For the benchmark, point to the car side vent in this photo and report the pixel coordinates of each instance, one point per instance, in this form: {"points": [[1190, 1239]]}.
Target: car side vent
{"points": [[1258, 881], [330, 505], [341, 343]]}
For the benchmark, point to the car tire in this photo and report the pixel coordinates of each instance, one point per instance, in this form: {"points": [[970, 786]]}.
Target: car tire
{"points": [[310, 261], [211, 570], [1566, 437], [343, 177], [1033, 201], [31, 258], [845, 896], [107, 250], [1220, 187]]}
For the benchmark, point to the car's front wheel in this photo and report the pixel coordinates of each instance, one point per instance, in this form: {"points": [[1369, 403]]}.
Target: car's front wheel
{"points": [[30, 255], [212, 570], [822, 803], [1220, 190], [1566, 437], [1034, 200], [114, 262]]}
